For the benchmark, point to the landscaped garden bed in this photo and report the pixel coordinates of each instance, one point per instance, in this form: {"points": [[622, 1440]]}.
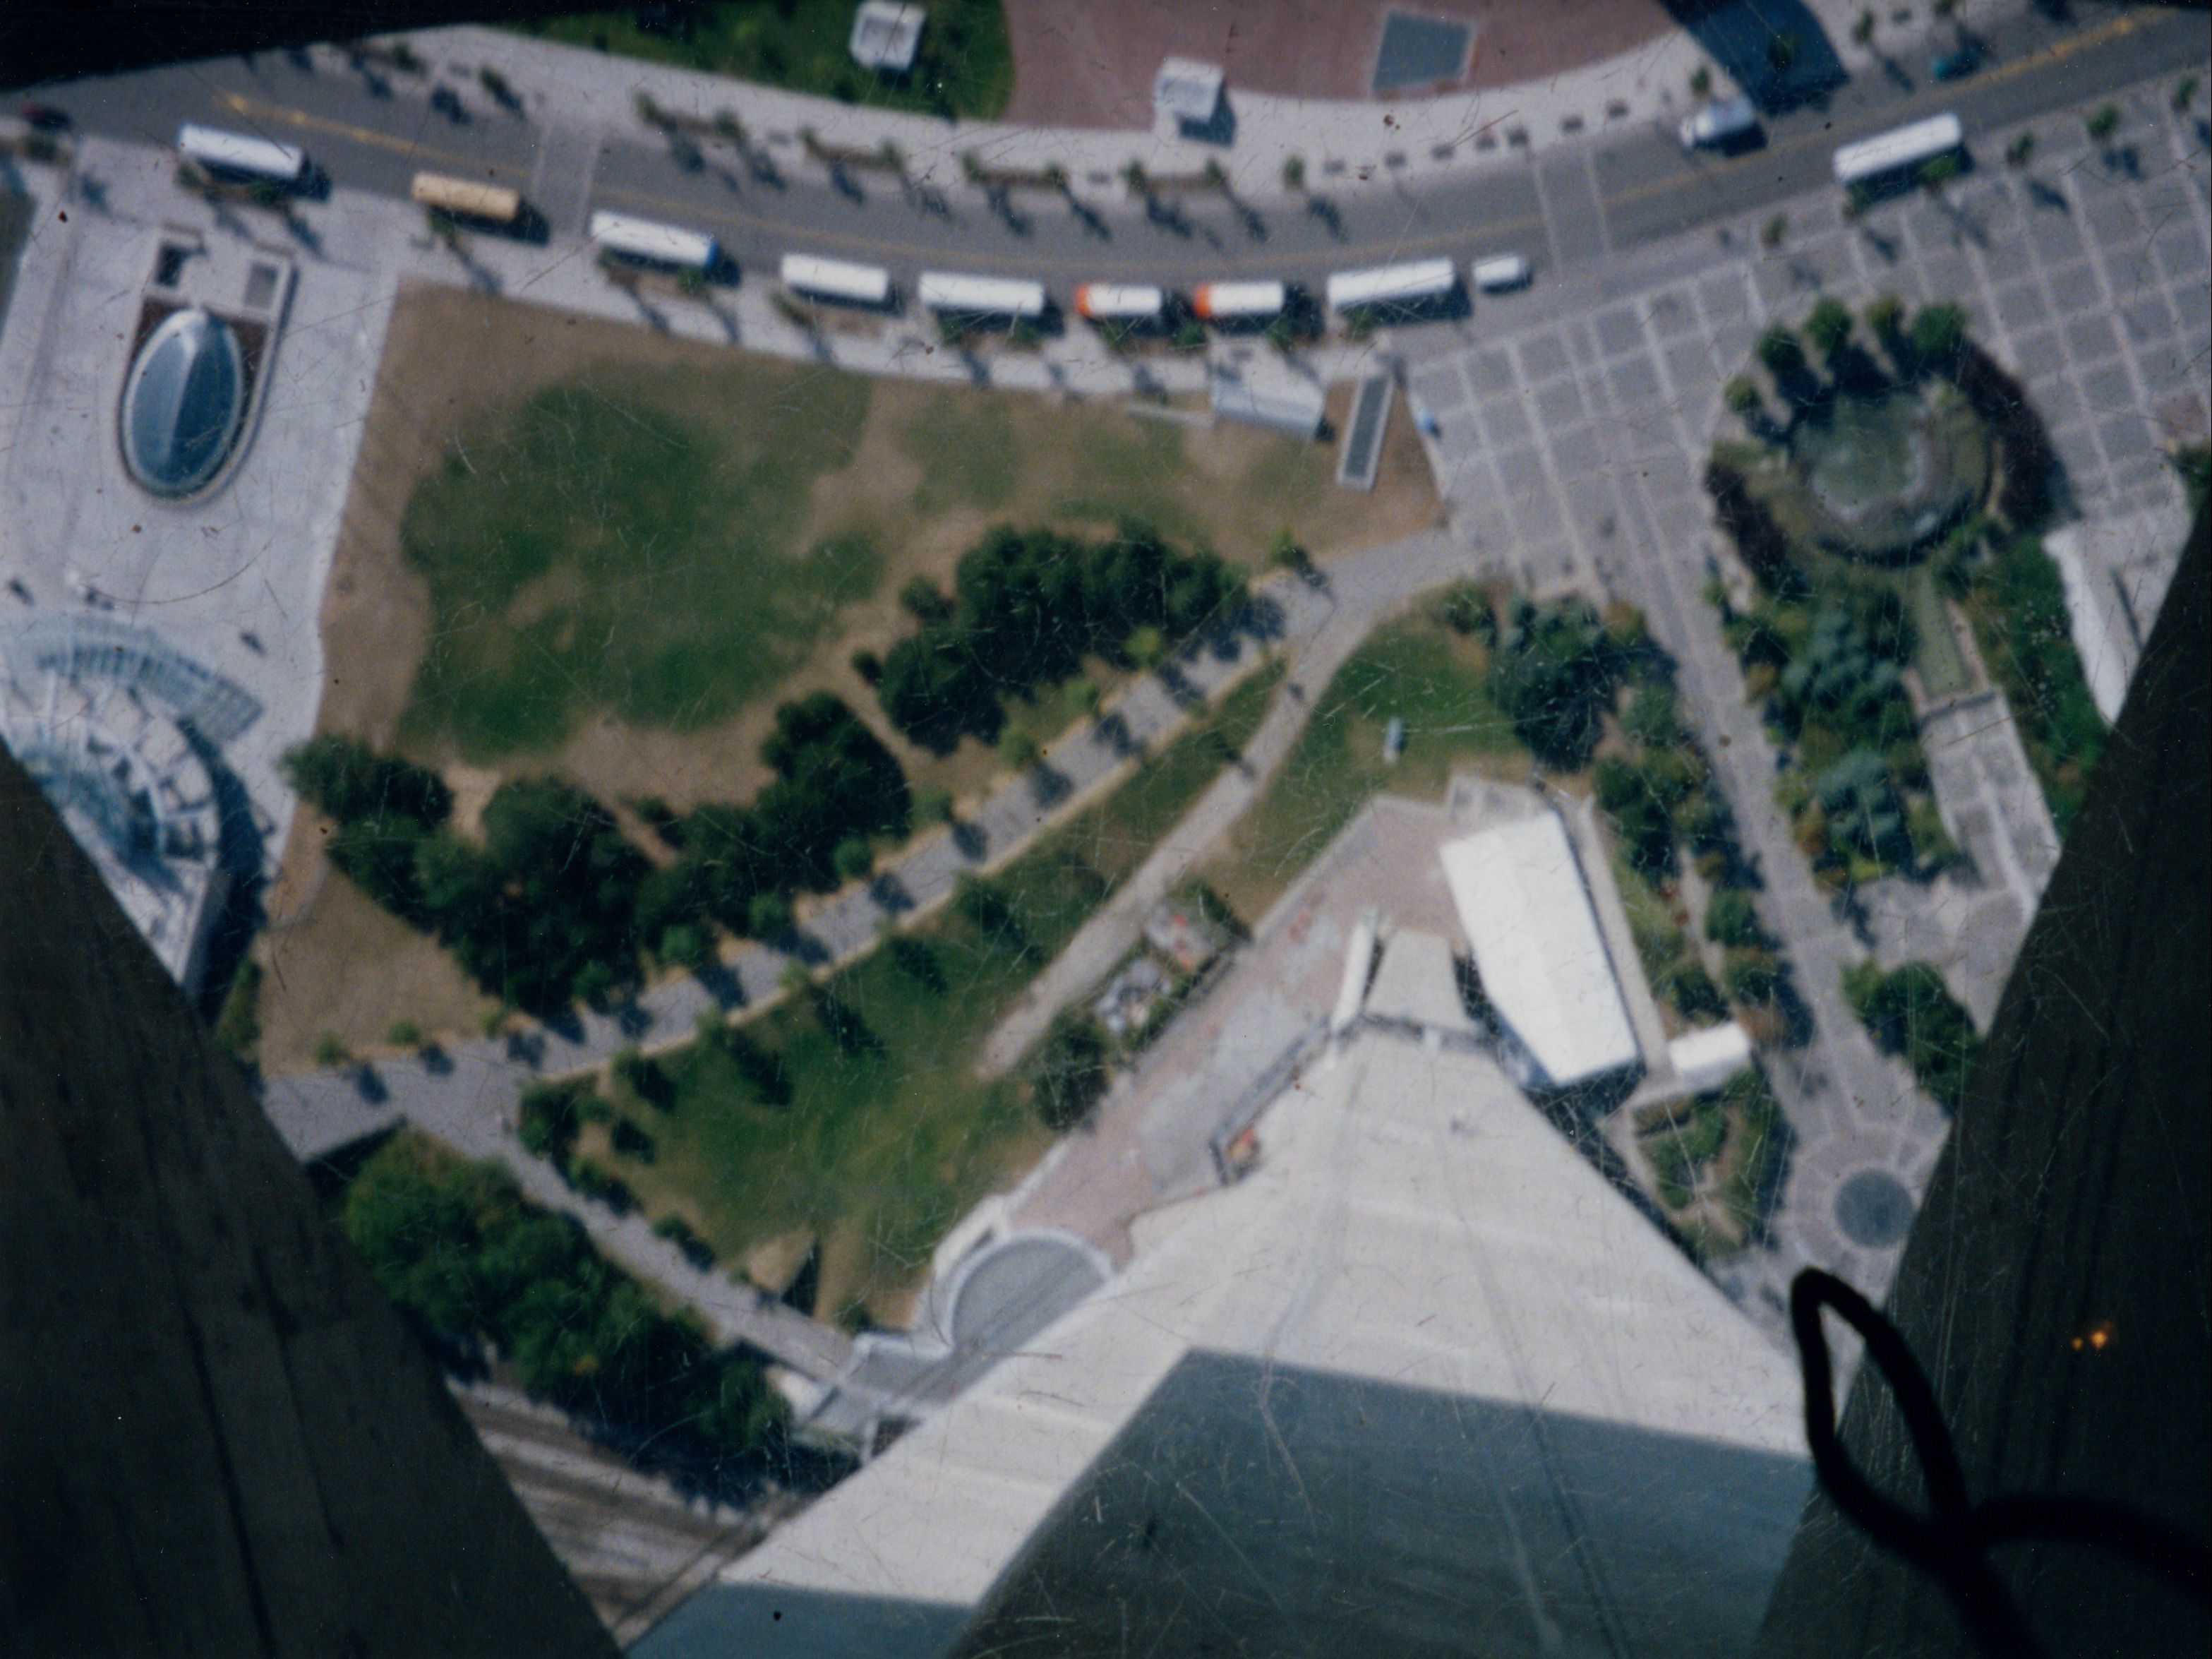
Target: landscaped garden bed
{"points": [[1873, 476]]}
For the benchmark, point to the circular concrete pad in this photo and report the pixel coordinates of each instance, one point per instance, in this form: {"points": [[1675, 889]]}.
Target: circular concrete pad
{"points": [[1873, 1209], [1018, 1286]]}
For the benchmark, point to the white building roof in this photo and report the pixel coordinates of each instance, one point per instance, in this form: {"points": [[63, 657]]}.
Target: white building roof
{"points": [[1537, 948], [1417, 984], [1705, 1059], [886, 35], [1415, 1229], [1187, 90]]}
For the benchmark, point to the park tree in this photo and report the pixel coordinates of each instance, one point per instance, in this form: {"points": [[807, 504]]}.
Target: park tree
{"points": [[1730, 921], [1828, 326], [1553, 673], [1912, 1012], [1069, 1072]]}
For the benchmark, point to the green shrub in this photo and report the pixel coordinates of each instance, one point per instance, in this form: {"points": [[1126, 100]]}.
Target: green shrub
{"points": [[238, 1027], [1730, 921], [1911, 1013], [455, 1245], [1553, 673], [551, 1117], [1027, 609], [1068, 1073]]}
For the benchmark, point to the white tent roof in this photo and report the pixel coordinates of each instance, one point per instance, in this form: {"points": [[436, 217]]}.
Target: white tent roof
{"points": [[1537, 948]]}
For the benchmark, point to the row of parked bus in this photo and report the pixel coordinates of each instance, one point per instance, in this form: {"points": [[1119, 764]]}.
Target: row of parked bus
{"points": [[1408, 286], [1414, 285]]}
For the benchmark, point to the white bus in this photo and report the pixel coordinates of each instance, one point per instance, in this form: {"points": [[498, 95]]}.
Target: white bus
{"points": [[1238, 301], [980, 296], [836, 279], [490, 205], [1119, 302], [1419, 283], [651, 243], [1500, 275], [1901, 147], [236, 155]]}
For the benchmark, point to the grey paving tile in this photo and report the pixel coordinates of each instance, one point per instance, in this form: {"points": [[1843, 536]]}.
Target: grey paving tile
{"points": [[1559, 403], [1504, 422], [1489, 372], [1724, 299], [1440, 387], [2055, 238], [1949, 273], [2090, 339], [1577, 454], [1636, 383], [2108, 389], [2126, 438], [2039, 352], [2075, 288], [2059, 402], [1519, 470], [1618, 331], [2022, 305], [1691, 366], [2193, 303], [2148, 319], [2182, 253], [1672, 312], [2007, 258], [1542, 356]]}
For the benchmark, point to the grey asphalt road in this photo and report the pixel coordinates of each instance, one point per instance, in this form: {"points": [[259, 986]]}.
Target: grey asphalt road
{"points": [[1568, 207]]}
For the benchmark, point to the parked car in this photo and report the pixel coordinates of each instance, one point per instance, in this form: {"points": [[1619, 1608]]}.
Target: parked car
{"points": [[1722, 124], [1956, 64], [46, 117]]}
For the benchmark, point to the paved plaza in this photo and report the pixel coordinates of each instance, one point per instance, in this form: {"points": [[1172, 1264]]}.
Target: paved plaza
{"points": [[1572, 425]]}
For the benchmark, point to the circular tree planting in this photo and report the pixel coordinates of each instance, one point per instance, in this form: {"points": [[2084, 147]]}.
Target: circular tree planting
{"points": [[1878, 476]]}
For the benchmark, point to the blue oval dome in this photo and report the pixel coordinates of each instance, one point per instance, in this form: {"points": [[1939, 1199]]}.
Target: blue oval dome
{"points": [[183, 403]]}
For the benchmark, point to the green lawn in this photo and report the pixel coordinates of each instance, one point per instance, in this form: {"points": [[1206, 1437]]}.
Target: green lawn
{"points": [[887, 1137], [1416, 670], [631, 543], [966, 65], [2017, 603]]}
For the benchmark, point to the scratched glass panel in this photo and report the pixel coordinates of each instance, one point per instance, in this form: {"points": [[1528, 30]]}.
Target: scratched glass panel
{"points": [[1097, 829]]}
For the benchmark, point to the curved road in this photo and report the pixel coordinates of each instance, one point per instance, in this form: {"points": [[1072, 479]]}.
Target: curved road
{"points": [[1564, 207]]}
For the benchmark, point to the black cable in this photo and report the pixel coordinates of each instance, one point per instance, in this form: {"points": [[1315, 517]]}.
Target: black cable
{"points": [[1951, 1543]]}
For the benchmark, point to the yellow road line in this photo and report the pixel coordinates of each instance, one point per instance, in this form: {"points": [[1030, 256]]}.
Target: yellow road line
{"points": [[851, 241], [2110, 30], [253, 109], [1432, 242]]}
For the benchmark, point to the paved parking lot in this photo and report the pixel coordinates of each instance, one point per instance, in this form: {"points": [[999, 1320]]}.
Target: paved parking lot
{"points": [[1572, 427]]}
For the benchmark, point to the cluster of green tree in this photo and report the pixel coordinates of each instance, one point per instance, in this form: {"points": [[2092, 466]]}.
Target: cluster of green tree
{"points": [[1067, 1071], [555, 905], [1025, 610], [456, 1246], [1661, 799], [2017, 602], [1911, 1013], [1931, 343], [1726, 1143], [1830, 675], [539, 915], [836, 787], [553, 1116], [1554, 669]]}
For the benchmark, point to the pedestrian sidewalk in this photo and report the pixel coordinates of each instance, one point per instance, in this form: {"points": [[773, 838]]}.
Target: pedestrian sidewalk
{"points": [[1341, 146]]}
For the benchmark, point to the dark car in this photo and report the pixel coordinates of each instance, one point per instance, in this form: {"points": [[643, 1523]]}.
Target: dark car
{"points": [[1956, 65], [45, 118]]}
